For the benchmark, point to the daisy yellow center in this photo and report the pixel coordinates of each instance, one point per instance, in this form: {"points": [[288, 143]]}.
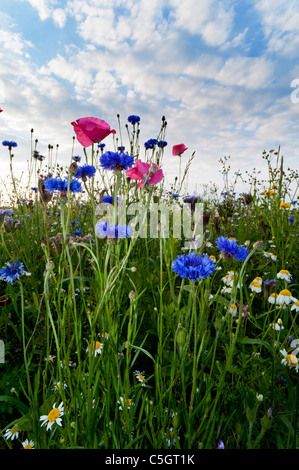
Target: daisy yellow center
{"points": [[140, 376], [96, 345], [284, 271], [273, 295], [255, 284], [28, 446], [286, 293], [53, 415], [297, 303], [291, 360], [14, 430]]}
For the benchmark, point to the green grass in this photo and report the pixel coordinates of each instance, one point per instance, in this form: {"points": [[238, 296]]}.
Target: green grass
{"points": [[201, 368]]}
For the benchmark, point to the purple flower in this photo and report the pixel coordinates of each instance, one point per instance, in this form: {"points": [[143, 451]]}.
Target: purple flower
{"points": [[220, 444]]}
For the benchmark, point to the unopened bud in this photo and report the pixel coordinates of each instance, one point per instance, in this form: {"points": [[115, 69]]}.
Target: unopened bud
{"points": [[258, 245], [132, 295], [181, 337]]}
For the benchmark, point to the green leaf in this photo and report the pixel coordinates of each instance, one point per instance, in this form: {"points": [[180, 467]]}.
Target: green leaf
{"points": [[257, 341], [15, 402]]}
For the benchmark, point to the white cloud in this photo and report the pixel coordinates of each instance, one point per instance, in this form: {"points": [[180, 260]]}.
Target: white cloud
{"points": [[248, 72], [280, 21], [13, 42], [46, 9], [211, 19]]}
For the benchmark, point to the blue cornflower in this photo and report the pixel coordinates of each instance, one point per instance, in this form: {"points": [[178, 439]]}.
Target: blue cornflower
{"points": [[121, 148], [112, 231], [150, 144], [8, 212], [76, 158], [162, 144], [231, 248], [193, 266], [116, 160], [85, 171], [9, 143], [133, 119], [101, 146], [291, 220], [108, 199], [11, 272], [77, 232], [59, 184]]}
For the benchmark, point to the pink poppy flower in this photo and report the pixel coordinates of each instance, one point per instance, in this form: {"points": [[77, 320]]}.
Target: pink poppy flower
{"points": [[177, 150], [90, 130], [142, 170]]}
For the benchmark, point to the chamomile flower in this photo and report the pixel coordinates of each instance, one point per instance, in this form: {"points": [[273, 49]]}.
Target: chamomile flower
{"points": [[272, 299], [295, 305], [104, 335], [284, 297], [213, 258], [285, 275], [58, 386], [270, 255], [278, 325], [28, 444], [53, 417], [96, 347], [233, 309], [247, 243], [226, 290], [140, 377], [12, 433], [289, 360], [255, 286], [64, 364], [259, 280], [50, 359], [124, 402]]}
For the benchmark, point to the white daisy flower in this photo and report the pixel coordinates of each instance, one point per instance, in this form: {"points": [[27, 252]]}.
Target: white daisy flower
{"points": [[50, 358], [64, 364], [124, 401], [12, 433], [255, 286], [259, 397], [53, 417], [233, 309], [284, 297], [295, 305], [96, 347], [289, 360], [58, 386], [285, 275], [278, 325], [140, 377], [28, 444], [272, 299]]}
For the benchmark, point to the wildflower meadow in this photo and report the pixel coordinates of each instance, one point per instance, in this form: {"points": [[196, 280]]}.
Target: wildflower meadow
{"points": [[139, 316]]}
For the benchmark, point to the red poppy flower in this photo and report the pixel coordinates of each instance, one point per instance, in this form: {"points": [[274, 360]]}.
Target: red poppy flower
{"points": [[177, 150], [142, 170], [90, 130]]}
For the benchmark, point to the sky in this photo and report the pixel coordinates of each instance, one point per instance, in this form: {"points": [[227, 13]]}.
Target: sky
{"points": [[224, 74]]}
